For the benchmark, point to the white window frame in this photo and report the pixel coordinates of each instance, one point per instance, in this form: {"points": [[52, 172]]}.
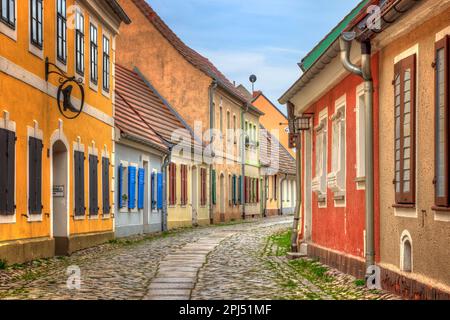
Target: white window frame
{"points": [[8, 31], [38, 52], [319, 183], [107, 35], [360, 138], [336, 179], [92, 85], [80, 11]]}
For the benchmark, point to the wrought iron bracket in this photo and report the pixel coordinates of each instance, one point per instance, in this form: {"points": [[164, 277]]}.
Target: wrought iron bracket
{"points": [[65, 90]]}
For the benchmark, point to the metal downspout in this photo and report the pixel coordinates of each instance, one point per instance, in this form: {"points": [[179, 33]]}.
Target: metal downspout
{"points": [[166, 162], [243, 159], [298, 190], [366, 73], [212, 90]]}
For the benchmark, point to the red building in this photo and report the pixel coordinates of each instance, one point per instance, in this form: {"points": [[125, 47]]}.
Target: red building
{"points": [[333, 156]]}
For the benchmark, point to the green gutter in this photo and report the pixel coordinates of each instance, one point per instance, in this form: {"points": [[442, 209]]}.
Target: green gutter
{"points": [[323, 45]]}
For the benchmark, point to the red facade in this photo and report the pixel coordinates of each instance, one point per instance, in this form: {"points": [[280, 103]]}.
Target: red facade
{"points": [[341, 228]]}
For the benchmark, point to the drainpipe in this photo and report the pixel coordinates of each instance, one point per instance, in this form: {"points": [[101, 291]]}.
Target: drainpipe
{"points": [[364, 72], [298, 190], [166, 163], [243, 157], [212, 90]]}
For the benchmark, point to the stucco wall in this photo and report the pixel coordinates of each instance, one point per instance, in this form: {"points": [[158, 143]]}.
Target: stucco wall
{"points": [[273, 120], [24, 95], [340, 226], [430, 234], [179, 82], [128, 222]]}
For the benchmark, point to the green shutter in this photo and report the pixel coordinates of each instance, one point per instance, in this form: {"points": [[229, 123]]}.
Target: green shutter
{"points": [[214, 187]]}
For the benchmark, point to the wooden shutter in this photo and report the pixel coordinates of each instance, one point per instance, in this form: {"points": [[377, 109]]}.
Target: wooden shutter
{"points": [[405, 100], [275, 188], [240, 189], [35, 176], [173, 186], [257, 190], [131, 188], [141, 188], [214, 191], [79, 183], [442, 79], [183, 173], [246, 189], [93, 185], [105, 187], [7, 171], [160, 191], [120, 187], [203, 184]]}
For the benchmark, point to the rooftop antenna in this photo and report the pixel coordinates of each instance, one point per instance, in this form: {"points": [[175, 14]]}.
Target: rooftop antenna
{"points": [[253, 80]]}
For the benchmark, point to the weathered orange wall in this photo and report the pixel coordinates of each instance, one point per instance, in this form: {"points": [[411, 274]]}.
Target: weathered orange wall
{"points": [[185, 87], [271, 120], [25, 104]]}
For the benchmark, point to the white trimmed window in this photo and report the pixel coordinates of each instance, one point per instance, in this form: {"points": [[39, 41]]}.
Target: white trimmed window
{"points": [[360, 137], [336, 178], [319, 183]]}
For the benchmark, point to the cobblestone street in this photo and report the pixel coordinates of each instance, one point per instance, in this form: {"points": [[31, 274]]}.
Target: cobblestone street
{"points": [[236, 261]]}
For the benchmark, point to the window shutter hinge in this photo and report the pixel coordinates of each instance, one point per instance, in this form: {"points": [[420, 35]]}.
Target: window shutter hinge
{"points": [[434, 181], [394, 181], [433, 64], [393, 82]]}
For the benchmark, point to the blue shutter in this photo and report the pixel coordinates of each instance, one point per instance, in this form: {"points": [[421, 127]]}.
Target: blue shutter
{"points": [[131, 187], [152, 191], [160, 191], [120, 191], [141, 187]]}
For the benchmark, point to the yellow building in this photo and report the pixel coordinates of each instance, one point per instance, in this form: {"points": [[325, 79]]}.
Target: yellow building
{"points": [[55, 142]]}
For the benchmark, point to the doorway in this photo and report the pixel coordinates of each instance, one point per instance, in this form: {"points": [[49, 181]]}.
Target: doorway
{"points": [[60, 197], [194, 197]]}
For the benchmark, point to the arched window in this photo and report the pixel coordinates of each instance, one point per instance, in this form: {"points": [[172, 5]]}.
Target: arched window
{"points": [[406, 253]]}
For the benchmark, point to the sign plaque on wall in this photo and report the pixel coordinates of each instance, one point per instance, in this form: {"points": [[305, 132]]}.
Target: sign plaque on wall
{"points": [[58, 191]]}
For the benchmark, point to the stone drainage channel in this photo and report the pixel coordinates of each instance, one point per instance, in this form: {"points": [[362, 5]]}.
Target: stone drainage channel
{"points": [[177, 272]]}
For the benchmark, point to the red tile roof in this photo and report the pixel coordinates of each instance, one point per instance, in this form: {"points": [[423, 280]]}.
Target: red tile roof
{"points": [[193, 57], [142, 113]]}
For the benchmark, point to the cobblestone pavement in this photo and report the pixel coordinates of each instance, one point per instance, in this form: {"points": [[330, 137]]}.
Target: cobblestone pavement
{"points": [[238, 261]]}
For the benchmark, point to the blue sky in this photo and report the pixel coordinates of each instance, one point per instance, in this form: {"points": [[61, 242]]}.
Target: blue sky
{"points": [[264, 37]]}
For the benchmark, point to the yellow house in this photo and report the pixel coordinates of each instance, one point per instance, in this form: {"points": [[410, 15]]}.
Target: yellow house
{"points": [[56, 125]]}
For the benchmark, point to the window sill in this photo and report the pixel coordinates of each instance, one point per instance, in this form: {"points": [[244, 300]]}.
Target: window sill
{"points": [[404, 206], [441, 209]]}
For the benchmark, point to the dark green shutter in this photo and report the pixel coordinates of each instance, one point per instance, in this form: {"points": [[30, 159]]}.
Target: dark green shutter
{"points": [[105, 186], [32, 175], [7, 171], [214, 187], [93, 185], [35, 176], [79, 184]]}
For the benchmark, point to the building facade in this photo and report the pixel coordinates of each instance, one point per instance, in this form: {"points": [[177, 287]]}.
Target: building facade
{"points": [[414, 215], [56, 169], [333, 226], [196, 89]]}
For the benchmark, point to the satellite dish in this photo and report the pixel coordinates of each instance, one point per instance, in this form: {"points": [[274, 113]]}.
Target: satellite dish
{"points": [[253, 78]]}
